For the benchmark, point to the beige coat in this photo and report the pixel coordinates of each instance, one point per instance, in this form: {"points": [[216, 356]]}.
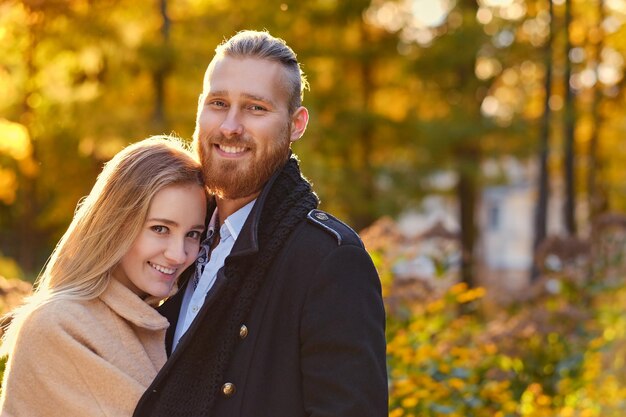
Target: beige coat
{"points": [[88, 358]]}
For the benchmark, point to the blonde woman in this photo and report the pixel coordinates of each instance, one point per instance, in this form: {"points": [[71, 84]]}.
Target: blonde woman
{"points": [[88, 342]]}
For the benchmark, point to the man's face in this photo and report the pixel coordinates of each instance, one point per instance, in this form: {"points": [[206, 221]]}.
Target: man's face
{"points": [[244, 130]]}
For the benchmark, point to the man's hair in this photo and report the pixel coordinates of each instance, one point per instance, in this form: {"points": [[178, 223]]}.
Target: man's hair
{"points": [[262, 45], [107, 222]]}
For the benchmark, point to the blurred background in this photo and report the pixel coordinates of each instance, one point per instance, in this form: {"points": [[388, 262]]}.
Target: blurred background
{"points": [[476, 145]]}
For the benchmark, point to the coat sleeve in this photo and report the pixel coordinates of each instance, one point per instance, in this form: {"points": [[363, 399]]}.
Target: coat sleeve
{"points": [[343, 339], [55, 370]]}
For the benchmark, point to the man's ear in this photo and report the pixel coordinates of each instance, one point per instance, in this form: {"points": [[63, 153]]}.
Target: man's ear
{"points": [[299, 120]]}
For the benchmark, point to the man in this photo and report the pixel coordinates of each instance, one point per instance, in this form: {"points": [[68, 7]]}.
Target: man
{"points": [[284, 315]]}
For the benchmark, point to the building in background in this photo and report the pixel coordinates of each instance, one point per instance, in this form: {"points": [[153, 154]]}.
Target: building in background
{"points": [[505, 216]]}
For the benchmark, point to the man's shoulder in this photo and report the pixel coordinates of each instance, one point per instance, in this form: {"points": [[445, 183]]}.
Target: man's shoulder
{"points": [[338, 231]]}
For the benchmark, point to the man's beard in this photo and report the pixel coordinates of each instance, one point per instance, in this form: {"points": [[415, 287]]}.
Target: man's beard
{"points": [[232, 180]]}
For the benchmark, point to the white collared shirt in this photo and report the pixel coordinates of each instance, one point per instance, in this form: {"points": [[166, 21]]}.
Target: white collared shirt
{"points": [[194, 297]]}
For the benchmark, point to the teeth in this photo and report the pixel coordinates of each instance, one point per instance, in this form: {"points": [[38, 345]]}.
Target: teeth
{"points": [[168, 271], [231, 149]]}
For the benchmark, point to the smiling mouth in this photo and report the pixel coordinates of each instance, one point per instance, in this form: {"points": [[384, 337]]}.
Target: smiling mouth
{"points": [[231, 150], [163, 269]]}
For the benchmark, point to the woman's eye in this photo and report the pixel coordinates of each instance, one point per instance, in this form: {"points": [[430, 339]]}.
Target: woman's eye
{"points": [[194, 234], [159, 229]]}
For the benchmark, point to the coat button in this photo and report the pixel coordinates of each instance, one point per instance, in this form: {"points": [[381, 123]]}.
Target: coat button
{"points": [[243, 331], [321, 216], [228, 389]]}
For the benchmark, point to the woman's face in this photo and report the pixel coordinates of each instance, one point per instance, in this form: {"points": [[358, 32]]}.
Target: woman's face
{"points": [[168, 242]]}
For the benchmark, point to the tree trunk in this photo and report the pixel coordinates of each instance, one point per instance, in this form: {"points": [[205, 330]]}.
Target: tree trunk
{"points": [[470, 157], [25, 230], [160, 72], [569, 209], [596, 198], [364, 217], [467, 192], [541, 211]]}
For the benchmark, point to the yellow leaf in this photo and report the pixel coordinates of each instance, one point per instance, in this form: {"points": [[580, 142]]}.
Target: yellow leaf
{"points": [[8, 186], [14, 140]]}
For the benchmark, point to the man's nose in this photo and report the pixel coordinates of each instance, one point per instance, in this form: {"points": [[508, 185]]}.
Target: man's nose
{"points": [[231, 125]]}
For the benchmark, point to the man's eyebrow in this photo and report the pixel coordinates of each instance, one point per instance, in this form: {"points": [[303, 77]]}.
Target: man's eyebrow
{"points": [[216, 93], [249, 96], [258, 98]]}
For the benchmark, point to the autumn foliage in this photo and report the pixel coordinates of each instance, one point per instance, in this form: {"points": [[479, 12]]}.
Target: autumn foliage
{"points": [[557, 351]]}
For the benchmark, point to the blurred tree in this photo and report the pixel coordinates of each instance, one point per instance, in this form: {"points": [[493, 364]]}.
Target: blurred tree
{"points": [[596, 193], [401, 92], [356, 133], [161, 67], [136, 69], [461, 63], [70, 72], [541, 210], [595, 58], [569, 172]]}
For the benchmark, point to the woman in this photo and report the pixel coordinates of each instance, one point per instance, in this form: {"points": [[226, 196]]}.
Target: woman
{"points": [[87, 343]]}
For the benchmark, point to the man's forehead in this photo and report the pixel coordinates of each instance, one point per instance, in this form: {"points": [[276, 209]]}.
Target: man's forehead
{"points": [[250, 74]]}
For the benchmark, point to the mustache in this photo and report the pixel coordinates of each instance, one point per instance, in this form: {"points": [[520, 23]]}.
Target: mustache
{"points": [[236, 140]]}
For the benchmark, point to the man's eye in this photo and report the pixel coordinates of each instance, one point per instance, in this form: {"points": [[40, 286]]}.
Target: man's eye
{"points": [[256, 107]]}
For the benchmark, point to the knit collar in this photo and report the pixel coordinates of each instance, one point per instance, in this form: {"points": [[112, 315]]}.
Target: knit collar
{"points": [[129, 306], [249, 242]]}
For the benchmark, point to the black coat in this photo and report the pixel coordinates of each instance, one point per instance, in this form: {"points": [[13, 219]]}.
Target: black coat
{"points": [[314, 341]]}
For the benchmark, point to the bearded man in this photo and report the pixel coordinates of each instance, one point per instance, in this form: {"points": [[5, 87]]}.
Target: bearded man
{"points": [[283, 315]]}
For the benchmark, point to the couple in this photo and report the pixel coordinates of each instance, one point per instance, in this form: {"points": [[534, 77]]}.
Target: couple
{"points": [[279, 312]]}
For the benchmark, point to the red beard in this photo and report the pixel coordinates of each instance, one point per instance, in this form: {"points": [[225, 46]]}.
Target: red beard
{"points": [[233, 179]]}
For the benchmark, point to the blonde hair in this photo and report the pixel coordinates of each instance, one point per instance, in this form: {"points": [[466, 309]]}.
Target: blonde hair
{"points": [[107, 222]]}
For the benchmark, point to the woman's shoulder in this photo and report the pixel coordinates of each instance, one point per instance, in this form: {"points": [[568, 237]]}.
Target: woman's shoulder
{"points": [[56, 325], [54, 315]]}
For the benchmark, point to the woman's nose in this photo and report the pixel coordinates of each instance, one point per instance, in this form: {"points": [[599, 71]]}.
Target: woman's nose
{"points": [[176, 252]]}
